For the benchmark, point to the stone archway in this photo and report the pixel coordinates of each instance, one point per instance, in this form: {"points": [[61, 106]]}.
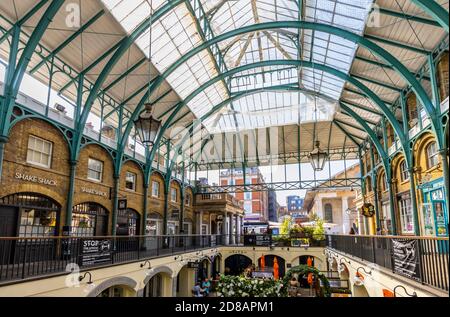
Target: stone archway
{"points": [[185, 281], [304, 270], [125, 284], [158, 283], [269, 259], [236, 264]]}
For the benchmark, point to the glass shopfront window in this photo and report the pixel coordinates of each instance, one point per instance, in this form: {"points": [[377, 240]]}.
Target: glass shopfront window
{"points": [[127, 222], [434, 213], [89, 219], [428, 221], [154, 227], [406, 216], [37, 223], [28, 215], [172, 227], [386, 222]]}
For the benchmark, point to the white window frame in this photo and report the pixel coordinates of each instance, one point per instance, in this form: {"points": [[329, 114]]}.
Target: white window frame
{"points": [[134, 175], [405, 211], [101, 171], [433, 156], [158, 223], [30, 161], [172, 190], [175, 225], [153, 189], [404, 174], [187, 200]]}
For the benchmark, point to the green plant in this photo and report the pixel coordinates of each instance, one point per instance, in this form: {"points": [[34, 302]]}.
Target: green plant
{"points": [[308, 231], [240, 286], [319, 231], [285, 226], [323, 291]]}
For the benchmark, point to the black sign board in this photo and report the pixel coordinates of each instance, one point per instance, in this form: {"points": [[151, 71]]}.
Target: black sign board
{"points": [[405, 258], [193, 265], [122, 204], [263, 240], [95, 252]]}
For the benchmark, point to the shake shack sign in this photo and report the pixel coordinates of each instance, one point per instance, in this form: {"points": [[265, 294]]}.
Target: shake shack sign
{"points": [[405, 258], [35, 179]]}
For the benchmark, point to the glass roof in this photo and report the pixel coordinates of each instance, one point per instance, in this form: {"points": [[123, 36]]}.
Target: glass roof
{"points": [[177, 33], [262, 110]]}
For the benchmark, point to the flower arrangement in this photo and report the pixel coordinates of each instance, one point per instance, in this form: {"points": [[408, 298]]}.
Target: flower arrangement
{"points": [[240, 286]]}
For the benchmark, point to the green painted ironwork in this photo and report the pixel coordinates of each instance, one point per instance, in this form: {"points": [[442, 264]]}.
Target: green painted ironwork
{"points": [[381, 53], [69, 40], [15, 76], [409, 17], [438, 13]]}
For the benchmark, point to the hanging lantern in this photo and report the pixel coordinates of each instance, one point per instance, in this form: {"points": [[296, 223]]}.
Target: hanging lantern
{"points": [[147, 126], [317, 157]]}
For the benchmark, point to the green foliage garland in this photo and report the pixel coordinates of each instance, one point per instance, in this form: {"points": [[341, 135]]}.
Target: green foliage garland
{"points": [[305, 270]]}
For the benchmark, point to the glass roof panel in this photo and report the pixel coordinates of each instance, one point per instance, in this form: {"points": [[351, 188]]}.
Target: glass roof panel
{"points": [[179, 32], [172, 37], [271, 108]]}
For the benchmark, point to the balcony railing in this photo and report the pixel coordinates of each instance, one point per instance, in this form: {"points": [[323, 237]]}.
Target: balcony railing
{"points": [[25, 258], [225, 198], [423, 259]]}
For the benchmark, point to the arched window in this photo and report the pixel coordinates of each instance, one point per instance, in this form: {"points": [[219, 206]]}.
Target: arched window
{"points": [[383, 184], [368, 185], [29, 215], [404, 174], [328, 213], [127, 222], [89, 219], [432, 155]]}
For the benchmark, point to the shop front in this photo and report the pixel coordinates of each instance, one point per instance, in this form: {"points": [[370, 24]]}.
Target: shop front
{"points": [[385, 217], [434, 213], [405, 214], [128, 222], [28, 215], [89, 220]]}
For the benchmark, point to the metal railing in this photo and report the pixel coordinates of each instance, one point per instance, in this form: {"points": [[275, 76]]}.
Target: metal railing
{"points": [[423, 259], [24, 258]]}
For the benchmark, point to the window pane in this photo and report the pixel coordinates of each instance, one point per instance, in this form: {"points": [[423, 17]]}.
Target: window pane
{"points": [[39, 151]]}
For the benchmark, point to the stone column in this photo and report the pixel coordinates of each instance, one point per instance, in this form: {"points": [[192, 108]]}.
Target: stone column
{"points": [[231, 229], [345, 217], [226, 230], [238, 229], [199, 222], [174, 286], [319, 208]]}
